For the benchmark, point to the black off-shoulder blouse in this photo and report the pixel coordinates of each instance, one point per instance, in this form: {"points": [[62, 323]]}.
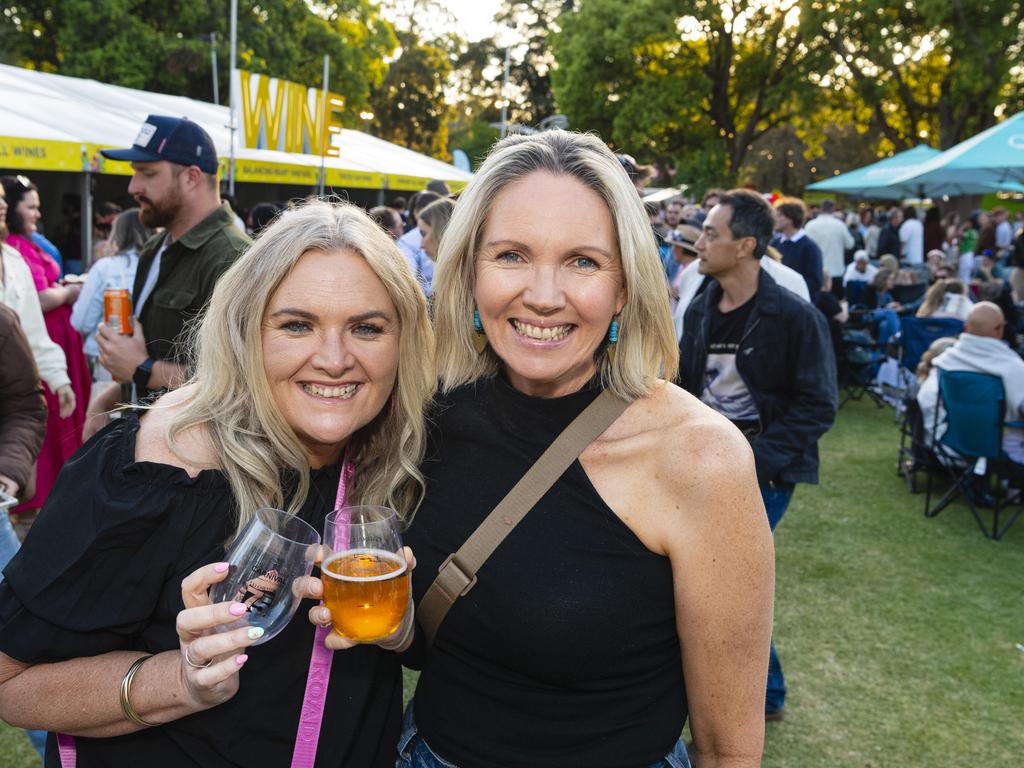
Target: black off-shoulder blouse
{"points": [[101, 571]]}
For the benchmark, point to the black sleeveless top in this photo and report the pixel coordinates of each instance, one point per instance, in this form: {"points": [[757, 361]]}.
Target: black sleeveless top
{"points": [[101, 571], [566, 651]]}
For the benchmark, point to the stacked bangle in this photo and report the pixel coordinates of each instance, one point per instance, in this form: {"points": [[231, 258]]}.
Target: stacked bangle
{"points": [[126, 688]]}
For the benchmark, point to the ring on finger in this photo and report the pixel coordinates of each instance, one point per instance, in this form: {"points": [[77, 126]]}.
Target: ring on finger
{"points": [[193, 664]]}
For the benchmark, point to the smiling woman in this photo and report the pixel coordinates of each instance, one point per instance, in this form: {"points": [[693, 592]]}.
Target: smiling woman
{"points": [[316, 345], [647, 561]]}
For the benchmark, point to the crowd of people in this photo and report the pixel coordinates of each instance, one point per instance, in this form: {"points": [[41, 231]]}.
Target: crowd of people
{"points": [[427, 355]]}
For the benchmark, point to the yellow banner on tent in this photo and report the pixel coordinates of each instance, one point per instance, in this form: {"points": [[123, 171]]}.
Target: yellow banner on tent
{"points": [[41, 154], [258, 171]]}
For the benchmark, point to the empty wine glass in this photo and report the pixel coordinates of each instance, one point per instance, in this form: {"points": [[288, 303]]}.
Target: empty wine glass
{"points": [[265, 564]]}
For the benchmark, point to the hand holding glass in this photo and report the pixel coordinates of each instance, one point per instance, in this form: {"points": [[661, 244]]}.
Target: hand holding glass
{"points": [[267, 563], [364, 571]]}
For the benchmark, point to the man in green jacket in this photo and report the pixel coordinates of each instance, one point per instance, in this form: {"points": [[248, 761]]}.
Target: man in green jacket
{"points": [[175, 184]]}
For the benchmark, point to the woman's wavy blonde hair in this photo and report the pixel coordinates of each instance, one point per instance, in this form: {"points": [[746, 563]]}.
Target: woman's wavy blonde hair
{"points": [[232, 400], [647, 347]]}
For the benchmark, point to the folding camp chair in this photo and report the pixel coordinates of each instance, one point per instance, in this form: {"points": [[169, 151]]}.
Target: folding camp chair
{"points": [[855, 293], [915, 455], [973, 406], [858, 358], [915, 336], [908, 294]]}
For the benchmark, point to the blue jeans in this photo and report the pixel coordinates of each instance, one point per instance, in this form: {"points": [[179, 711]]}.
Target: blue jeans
{"points": [[38, 739], [414, 752], [888, 324], [776, 501], [9, 543]]}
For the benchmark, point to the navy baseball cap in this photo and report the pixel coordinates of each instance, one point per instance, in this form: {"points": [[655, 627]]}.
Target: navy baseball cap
{"points": [[174, 139]]}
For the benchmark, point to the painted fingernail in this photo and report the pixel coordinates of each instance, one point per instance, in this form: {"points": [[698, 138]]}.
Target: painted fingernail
{"points": [[237, 609], [325, 616], [220, 567], [254, 633], [240, 660]]}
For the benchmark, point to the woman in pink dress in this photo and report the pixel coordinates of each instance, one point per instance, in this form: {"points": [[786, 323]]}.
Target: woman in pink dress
{"points": [[66, 409]]}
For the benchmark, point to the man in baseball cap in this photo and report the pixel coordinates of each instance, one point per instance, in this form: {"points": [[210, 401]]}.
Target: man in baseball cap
{"points": [[174, 139], [175, 184]]}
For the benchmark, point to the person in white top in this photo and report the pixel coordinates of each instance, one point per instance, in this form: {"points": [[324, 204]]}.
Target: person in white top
{"points": [[832, 236], [117, 270], [980, 348], [411, 244], [18, 291], [911, 237], [860, 269]]}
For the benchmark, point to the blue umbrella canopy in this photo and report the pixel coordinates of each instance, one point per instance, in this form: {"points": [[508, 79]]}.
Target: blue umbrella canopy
{"points": [[994, 158], [875, 180]]}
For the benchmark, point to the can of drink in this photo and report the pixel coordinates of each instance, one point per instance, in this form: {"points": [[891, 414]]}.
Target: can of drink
{"points": [[117, 310]]}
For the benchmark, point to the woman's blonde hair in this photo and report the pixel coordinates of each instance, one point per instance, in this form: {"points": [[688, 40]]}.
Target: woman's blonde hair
{"points": [[232, 400], [937, 347], [437, 215], [932, 299], [647, 347]]}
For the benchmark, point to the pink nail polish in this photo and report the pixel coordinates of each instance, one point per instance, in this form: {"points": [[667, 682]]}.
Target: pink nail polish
{"points": [[220, 567], [237, 609], [240, 660]]}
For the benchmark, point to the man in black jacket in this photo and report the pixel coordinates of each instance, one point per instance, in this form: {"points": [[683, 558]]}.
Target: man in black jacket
{"points": [[761, 357]]}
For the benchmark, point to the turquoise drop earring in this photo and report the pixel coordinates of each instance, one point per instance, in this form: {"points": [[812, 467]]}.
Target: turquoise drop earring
{"points": [[479, 337], [613, 340]]}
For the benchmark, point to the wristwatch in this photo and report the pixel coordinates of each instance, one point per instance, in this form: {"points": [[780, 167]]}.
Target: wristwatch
{"points": [[141, 376]]}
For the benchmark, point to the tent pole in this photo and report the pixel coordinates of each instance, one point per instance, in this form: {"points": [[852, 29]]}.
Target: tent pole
{"points": [[213, 65], [233, 106], [86, 220], [325, 135]]}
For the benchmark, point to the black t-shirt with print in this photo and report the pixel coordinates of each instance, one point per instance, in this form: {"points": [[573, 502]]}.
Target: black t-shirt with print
{"points": [[724, 388]]}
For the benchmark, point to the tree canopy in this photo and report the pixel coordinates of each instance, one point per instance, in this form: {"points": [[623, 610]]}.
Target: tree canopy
{"points": [[165, 46]]}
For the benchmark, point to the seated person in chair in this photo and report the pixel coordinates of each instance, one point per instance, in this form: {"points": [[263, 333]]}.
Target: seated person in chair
{"points": [[980, 348]]}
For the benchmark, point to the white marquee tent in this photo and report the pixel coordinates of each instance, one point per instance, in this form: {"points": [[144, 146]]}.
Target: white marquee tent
{"points": [[58, 123]]}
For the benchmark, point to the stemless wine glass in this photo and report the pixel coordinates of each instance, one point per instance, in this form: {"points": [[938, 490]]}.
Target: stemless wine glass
{"points": [[266, 562], [365, 575]]}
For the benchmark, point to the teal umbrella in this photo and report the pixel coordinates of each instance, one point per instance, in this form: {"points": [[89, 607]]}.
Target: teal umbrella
{"points": [[992, 159], [875, 180]]}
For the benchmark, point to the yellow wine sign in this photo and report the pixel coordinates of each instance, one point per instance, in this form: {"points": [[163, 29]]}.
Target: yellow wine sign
{"points": [[278, 114]]}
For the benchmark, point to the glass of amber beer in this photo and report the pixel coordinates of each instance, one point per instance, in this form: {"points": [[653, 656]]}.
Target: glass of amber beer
{"points": [[365, 575]]}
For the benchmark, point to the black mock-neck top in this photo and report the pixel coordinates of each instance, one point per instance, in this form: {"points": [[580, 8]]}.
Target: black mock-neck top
{"points": [[566, 651]]}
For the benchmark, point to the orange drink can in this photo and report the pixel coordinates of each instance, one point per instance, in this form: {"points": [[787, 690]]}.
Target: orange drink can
{"points": [[117, 310]]}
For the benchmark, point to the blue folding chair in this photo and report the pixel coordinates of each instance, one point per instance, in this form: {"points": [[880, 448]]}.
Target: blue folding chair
{"points": [[973, 407], [918, 333], [915, 336], [856, 292]]}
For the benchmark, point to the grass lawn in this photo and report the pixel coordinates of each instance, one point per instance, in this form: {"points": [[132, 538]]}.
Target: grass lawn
{"points": [[897, 633]]}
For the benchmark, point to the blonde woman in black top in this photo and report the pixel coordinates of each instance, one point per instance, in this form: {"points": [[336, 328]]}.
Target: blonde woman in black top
{"points": [[313, 344], [649, 562]]}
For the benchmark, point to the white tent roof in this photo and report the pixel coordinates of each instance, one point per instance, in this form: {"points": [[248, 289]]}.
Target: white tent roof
{"points": [[73, 118]]}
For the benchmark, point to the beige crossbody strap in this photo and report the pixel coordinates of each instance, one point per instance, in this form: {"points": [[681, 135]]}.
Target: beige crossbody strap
{"points": [[457, 574]]}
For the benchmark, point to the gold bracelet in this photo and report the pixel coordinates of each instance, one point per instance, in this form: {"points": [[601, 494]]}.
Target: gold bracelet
{"points": [[126, 687]]}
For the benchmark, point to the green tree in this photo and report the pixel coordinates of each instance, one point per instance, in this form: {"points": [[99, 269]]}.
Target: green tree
{"points": [[164, 46], [932, 71], [530, 64], [410, 106], [697, 81]]}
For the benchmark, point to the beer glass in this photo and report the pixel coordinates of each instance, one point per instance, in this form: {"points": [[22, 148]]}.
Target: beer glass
{"points": [[266, 561], [365, 575]]}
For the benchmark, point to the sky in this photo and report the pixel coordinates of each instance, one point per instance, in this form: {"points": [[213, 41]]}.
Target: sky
{"points": [[475, 17]]}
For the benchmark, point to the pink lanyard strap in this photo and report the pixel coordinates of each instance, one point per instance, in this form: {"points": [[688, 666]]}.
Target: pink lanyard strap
{"points": [[319, 676], [67, 750]]}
